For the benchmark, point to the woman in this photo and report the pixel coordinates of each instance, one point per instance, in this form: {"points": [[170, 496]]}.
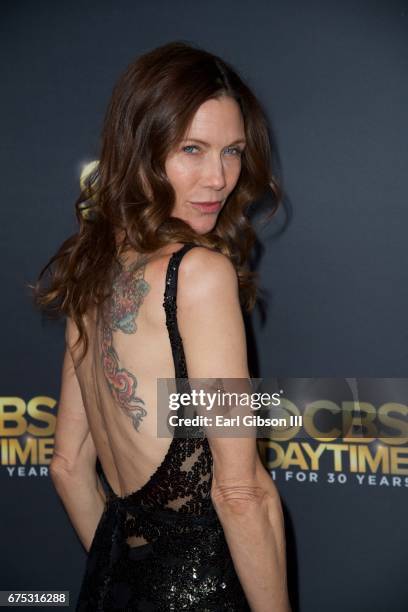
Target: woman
{"points": [[188, 523]]}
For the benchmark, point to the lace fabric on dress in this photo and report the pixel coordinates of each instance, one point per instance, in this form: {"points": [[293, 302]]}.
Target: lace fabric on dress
{"points": [[162, 547]]}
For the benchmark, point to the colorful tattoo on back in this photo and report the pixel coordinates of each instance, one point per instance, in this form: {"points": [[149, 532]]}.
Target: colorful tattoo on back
{"points": [[120, 313]]}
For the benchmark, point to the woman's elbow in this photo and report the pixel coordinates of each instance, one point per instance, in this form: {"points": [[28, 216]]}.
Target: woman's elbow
{"points": [[258, 495], [62, 470]]}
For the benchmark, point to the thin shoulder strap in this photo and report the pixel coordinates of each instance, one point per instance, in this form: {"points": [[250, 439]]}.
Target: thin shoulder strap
{"points": [[170, 306]]}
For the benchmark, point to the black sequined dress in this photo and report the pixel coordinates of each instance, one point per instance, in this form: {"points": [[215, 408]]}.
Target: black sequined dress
{"points": [[162, 547]]}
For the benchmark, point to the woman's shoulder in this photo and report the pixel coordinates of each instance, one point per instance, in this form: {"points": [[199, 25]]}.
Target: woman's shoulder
{"points": [[204, 270], [201, 269]]}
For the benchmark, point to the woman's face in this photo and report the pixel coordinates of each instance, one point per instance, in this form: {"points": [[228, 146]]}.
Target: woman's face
{"points": [[206, 165]]}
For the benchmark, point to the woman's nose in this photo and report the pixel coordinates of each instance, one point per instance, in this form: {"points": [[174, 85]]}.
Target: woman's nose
{"points": [[214, 173]]}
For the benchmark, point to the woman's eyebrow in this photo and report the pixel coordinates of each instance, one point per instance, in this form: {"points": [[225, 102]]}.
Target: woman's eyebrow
{"points": [[239, 141]]}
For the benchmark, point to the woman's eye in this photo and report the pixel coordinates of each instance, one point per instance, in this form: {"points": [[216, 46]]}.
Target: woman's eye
{"points": [[236, 151], [189, 147]]}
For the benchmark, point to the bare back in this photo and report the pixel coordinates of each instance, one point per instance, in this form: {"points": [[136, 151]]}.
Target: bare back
{"points": [[159, 535], [129, 349]]}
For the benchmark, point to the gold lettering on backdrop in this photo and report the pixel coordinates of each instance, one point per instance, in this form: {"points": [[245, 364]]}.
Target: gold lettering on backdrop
{"points": [[27, 430], [314, 454], [309, 423], [357, 458], [23, 454], [385, 418], [399, 456], [12, 422], [29, 451], [391, 415], [367, 460], [365, 416], [45, 450], [377, 447]]}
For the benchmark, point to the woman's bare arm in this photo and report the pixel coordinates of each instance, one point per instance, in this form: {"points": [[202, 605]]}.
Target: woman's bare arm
{"points": [[251, 515], [244, 495], [72, 467]]}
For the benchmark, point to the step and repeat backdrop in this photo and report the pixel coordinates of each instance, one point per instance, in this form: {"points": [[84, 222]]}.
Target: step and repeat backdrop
{"points": [[331, 332]]}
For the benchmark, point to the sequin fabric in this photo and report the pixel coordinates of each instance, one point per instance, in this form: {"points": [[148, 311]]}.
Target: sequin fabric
{"points": [[162, 547]]}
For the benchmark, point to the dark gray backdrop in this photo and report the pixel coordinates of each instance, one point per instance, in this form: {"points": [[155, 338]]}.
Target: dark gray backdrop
{"points": [[333, 78]]}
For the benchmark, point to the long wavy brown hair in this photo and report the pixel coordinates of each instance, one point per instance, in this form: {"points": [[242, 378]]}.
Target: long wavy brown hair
{"points": [[126, 202]]}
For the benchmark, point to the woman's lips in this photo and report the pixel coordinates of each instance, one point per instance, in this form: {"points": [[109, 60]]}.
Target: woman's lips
{"points": [[207, 207]]}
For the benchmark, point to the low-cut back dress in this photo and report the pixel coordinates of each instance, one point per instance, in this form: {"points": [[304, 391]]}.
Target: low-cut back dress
{"points": [[162, 547]]}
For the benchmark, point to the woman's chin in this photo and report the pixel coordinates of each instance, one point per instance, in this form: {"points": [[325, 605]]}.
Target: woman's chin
{"points": [[204, 225], [201, 224]]}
